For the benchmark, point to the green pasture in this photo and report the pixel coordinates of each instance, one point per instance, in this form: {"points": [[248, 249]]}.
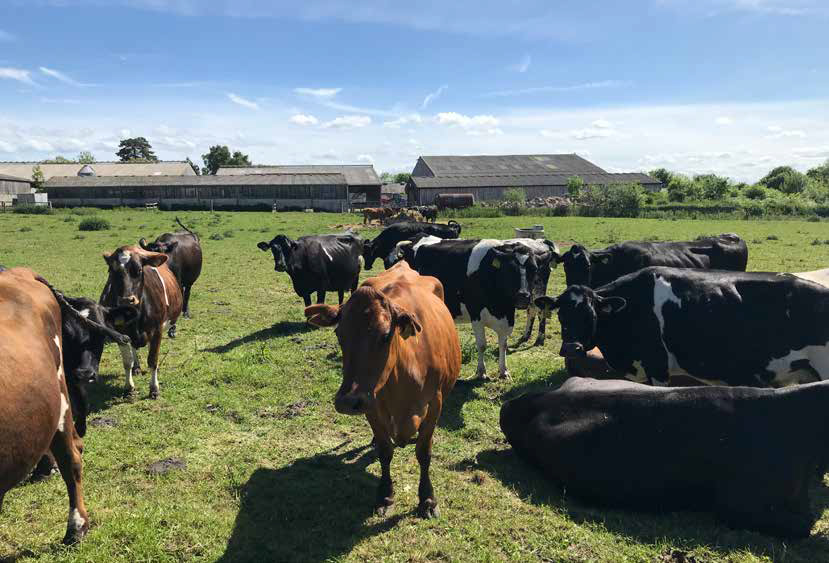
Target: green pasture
{"points": [[272, 473]]}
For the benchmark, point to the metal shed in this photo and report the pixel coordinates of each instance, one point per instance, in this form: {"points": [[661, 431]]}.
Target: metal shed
{"points": [[11, 187]]}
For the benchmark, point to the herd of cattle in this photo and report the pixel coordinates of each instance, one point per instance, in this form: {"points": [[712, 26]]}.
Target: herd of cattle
{"points": [[645, 312]]}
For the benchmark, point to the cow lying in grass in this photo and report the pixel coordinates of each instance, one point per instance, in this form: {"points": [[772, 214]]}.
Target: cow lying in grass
{"points": [[742, 452]]}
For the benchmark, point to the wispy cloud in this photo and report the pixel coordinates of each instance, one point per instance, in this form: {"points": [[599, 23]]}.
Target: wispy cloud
{"points": [[777, 132], [474, 124], [319, 93], [432, 96], [367, 158], [411, 119], [763, 7], [242, 101], [524, 65], [348, 122], [303, 120], [19, 74], [63, 77], [6, 36], [558, 89]]}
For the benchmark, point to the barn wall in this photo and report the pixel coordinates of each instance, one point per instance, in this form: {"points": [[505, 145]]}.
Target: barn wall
{"points": [[426, 196], [11, 187], [422, 170]]}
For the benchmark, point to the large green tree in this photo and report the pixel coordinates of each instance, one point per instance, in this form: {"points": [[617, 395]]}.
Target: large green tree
{"points": [[136, 148], [86, 157], [785, 179], [220, 155], [820, 173]]}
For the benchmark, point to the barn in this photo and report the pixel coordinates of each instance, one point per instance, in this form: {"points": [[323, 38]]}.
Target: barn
{"points": [[159, 168], [11, 187], [488, 177]]}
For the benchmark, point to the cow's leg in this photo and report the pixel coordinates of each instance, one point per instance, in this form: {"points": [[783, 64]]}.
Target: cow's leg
{"points": [[542, 331], [307, 299], [67, 448], [320, 297], [528, 330], [128, 356], [480, 344], [385, 451], [503, 337], [427, 506], [340, 295], [186, 308], [44, 468], [152, 363]]}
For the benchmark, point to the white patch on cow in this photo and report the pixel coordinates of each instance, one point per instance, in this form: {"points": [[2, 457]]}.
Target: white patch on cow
{"points": [[663, 293], [817, 276], [522, 258], [64, 408], [56, 340], [123, 258], [503, 329], [76, 521], [361, 261], [84, 313], [817, 356], [163, 285], [639, 376], [60, 371], [327, 254], [128, 358], [478, 252], [154, 380], [576, 298]]}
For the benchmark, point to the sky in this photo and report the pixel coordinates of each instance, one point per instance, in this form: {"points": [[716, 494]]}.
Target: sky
{"points": [[732, 87]]}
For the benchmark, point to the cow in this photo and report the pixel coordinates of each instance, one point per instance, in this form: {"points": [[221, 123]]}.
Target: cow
{"points": [[35, 412], [318, 263], [732, 328], [376, 213], [141, 279], [184, 259], [401, 358], [484, 281], [594, 269], [748, 454], [383, 245], [429, 212]]}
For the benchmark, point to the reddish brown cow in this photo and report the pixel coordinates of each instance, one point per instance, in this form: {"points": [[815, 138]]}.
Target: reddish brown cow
{"points": [[376, 214], [401, 357], [35, 413], [141, 278]]}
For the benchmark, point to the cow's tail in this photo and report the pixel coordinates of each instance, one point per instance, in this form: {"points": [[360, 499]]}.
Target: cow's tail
{"points": [[194, 235], [455, 225], [66, 308]]}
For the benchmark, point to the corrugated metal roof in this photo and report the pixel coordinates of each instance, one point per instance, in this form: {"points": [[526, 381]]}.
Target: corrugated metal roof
{"points": [[355, 174], [393, 188], [518, 181], [7, 178], [496, 165], [163, 168], [199, 181]]}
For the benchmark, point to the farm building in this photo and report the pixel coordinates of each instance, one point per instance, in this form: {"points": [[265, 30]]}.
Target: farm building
{"points": [[161, 168], [393, 194], [488, 177], [363, 182], [320, 191], [11, 187]]}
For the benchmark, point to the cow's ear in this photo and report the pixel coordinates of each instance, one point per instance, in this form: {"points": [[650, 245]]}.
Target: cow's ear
{"points": [[107, 256], [322, 315], [154, 259], [171, 246], [602, 258], [608, 305], [120, 317], [293, 244], [264, 246], [407, 322], [546, 304]]}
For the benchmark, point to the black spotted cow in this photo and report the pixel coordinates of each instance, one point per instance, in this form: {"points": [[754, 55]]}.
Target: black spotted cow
{"points": [[383, 245]]}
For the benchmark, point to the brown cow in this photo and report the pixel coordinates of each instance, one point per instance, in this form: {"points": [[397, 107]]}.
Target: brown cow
{"points": [[375, 214], [35, 413], [141, 278], [401, 357]]}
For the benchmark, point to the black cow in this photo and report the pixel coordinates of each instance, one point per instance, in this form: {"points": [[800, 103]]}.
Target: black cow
{"points": [[734, 328], [318, 263], [594, 269], [484, 281], [184, 258], [386, 241], [749, 455]]}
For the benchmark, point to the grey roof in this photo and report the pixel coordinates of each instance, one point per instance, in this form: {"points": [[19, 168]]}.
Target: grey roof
{"points": [[161, 168], [530, 164], [7, 178], [199, 181], [393, 188], [355, 174], [518, 181]]}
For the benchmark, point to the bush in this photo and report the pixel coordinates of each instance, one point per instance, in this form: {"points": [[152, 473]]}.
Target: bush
{"points": [[713, 186], [623, 200], [574, 186], [515, 195], [30, 209], [682, 188], [785, 179], [755, 192], [94, 224]]}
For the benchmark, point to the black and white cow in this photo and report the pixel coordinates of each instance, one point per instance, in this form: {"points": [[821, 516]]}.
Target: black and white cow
{"points": [[594, 269], [732, 328], [318, 263], [484, 281], [748, 455], [383, 245]]}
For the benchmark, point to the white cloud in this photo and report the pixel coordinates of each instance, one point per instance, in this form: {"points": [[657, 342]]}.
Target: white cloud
{"points": [[367, 158], [432, 96], [559, 89], [724, 120], [602, 124], [302, 119], [348, 122], [524, 65], [39, 145], [7, 147], [453, 118], [811, 152], [320, 93], [18, 74], [242, 101], [61, 76], [777, 132], [591, 133], [6, 36], [410, 119]]}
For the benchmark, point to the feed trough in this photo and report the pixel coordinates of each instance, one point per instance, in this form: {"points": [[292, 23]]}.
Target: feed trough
{"points": [[536, 231]]}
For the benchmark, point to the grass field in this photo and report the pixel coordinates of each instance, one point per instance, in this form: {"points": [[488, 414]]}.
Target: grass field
{"points": [[274, 473]]}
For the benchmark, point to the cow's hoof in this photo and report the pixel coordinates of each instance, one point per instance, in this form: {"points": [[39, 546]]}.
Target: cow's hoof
{"points": [[520, 341], [171, 332], [428, 509], [505, 375], [480, 373], [384, 507], [538, 342], [153, 394], [186, 315], [129, 393], [74, 536]]}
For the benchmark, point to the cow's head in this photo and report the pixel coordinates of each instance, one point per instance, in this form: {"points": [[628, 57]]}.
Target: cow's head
{"points": [[577, 265], [165, 244], [368, 254], [125, 285], [283, 249], [369, 329], [510, 270], [580, 309]]}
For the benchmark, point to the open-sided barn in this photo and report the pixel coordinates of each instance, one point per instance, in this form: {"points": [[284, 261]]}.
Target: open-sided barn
{"points": [[488, 177], [11, 187], [159, 168]]}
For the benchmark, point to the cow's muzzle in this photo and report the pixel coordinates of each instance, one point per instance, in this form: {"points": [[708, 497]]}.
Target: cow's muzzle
{"points": [[131, 300], [522, 300], [354, 403], [572, 350], [86, 375]]}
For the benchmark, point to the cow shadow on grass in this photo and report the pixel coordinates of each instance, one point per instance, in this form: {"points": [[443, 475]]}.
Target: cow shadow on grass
{"points": [[315, 509], [683, 529], [282, 328]]}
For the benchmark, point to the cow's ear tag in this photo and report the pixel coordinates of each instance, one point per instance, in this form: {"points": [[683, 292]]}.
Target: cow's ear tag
{"points": [[496, 263], [119, 322]]}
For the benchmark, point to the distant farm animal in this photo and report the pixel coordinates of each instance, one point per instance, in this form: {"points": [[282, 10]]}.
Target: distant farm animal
{"points": [[596, 268], [141, 279], [731, 328], [318, 263], [184, 258], [382, 246], [484, 282], [454, 201], [35, 413], [377, 213], [753, 470], [401, 358], [429, 212]]}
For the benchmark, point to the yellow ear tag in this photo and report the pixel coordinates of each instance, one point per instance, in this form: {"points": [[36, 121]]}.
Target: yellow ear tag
{"points": [[119, 322], [496, 263]]}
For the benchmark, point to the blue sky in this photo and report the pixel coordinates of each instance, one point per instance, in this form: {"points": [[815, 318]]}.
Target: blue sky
{"points": [[729, 86]]}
